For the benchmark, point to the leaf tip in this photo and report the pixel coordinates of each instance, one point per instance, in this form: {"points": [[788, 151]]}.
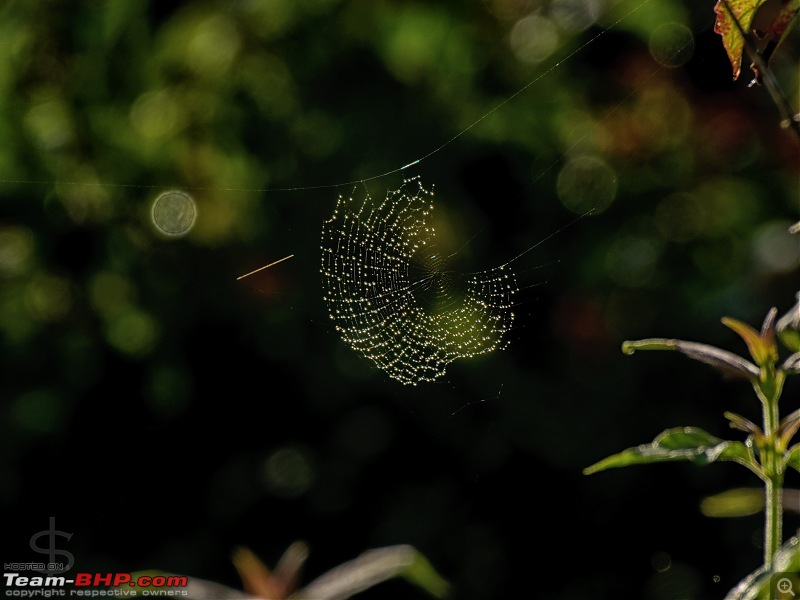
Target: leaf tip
{"points": [[631, 346]]}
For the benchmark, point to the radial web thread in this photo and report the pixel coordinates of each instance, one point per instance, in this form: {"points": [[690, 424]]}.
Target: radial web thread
{"points": [[392, 298]]}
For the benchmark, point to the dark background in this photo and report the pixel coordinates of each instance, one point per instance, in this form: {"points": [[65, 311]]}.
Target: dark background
{"points": [[166, 413]]}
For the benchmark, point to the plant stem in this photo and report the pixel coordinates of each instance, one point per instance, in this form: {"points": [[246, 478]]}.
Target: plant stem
{"points": [[773, 489], [773, 519]]}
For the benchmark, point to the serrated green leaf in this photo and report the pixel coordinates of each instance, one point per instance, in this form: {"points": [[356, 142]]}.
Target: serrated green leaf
{"points": [[682, 443]]}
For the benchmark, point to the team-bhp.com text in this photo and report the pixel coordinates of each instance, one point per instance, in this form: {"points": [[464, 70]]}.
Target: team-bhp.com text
{"points": [[95, 585]]}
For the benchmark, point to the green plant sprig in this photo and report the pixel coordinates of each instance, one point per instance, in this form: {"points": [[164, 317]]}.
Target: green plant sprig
{"points": [[766, 451]]}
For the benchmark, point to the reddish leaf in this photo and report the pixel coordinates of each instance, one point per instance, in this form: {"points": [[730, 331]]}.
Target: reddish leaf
{"points": [[256, 577], [785, 17], [761, 344], [744, 11], [768, 35]]}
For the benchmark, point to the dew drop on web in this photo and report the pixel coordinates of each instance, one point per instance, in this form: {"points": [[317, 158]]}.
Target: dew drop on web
{"points": [[392, 296]]}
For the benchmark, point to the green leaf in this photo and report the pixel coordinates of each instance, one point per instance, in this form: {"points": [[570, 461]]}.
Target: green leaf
{"points": [[348, 579], [792, 457], [788, 327], [371, 568], [756, 585], [631, 346], [422, 573], [729, 363], [739, 502], [761, 344], [791, 366], [742, 424], [786, 430], [682, 443], [744, 11]]}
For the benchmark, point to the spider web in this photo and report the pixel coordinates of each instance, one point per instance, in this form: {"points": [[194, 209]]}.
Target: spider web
{"points": [[392, 298]]}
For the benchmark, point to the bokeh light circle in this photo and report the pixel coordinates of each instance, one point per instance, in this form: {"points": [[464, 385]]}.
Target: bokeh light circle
{"points": [[533, 38], [575, 15], [174, 213], [288, 472], [586, 183], [672, 44], [775, 249]]}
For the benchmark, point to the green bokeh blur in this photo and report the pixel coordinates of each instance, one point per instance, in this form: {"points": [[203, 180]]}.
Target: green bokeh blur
{"points": [[165, 412]]}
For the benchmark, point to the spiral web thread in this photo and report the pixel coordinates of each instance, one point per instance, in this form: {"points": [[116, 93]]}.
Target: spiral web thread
{"points": [[392, 299]]}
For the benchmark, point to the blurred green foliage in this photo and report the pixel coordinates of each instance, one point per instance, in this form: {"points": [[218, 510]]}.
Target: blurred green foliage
{"points": [[165, 412]]}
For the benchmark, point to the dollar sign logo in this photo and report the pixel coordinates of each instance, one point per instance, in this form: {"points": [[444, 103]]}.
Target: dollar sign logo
{"points": [[51, 550]]}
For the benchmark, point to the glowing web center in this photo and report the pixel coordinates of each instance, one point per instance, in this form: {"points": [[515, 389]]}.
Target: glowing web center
{"points": [[398, 307]]}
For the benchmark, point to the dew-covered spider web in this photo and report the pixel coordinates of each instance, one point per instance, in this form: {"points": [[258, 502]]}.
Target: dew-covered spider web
{"points": [[392, 297]]}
